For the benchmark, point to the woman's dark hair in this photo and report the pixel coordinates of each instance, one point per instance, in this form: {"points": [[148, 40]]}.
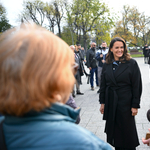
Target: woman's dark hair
{"points": [[110, 56]]}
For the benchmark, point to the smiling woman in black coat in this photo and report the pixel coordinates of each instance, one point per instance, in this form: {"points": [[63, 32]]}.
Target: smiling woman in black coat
{"points": [[120, 93]]}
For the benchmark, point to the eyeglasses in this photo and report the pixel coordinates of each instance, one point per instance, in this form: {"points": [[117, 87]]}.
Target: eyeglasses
{"points": [[94, 45], [75, 68]]}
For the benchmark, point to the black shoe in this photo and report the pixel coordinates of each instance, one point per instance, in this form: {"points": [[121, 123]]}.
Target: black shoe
{"points": [[79, 93], [92, 88], [98, 91]]}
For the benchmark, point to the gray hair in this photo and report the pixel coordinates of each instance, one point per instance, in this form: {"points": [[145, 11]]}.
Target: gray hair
{"points": [[72, 46]]}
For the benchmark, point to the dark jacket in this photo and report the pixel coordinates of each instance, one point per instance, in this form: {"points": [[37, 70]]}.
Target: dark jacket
{"points": [[51, 129], [79, 59], [120, 91], [145, 51], [90, 59]]}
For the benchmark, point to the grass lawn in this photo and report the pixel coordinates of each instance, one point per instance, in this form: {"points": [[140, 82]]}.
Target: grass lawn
{"points": [[137, 55]]}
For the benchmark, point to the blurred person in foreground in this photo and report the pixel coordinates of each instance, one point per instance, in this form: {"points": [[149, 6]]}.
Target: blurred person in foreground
{"points": [[120, 93], [36, 80]]}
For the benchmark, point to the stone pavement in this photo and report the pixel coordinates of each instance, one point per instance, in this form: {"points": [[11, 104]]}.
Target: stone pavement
{"points": [[91, 117]]}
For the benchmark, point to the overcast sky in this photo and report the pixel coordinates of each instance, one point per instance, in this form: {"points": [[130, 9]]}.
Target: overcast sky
{"points": [[14, 7]]}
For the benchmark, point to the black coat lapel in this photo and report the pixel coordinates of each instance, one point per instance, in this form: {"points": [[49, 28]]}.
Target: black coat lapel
{"points": [[109, 70], [121, 68]]}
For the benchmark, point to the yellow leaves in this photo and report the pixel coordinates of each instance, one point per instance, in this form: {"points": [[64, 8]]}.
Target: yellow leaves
{"points": [[133, 25]]}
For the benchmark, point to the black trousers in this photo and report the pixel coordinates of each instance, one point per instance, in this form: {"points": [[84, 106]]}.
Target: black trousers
{"points": [[118, 148]]}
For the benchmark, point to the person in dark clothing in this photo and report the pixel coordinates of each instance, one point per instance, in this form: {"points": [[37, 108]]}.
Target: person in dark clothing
{"points": [[145, 53], [79, 48], [120, 93], [101, 56], [91, 63]]}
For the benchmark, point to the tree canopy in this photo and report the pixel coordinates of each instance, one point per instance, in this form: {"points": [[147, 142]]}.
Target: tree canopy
{"points": [[4, 22], [134, 26]]}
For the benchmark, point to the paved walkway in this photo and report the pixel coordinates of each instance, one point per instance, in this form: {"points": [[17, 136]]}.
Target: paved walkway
{"points": [[91, 118]]}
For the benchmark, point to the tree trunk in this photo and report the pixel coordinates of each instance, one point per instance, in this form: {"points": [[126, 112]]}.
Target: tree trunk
{"points": [[59, 30], [85, 41]]}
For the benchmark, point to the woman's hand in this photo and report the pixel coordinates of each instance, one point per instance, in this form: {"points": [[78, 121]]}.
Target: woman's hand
{"points": [[102, 108], [146, 141], [134, 111]]}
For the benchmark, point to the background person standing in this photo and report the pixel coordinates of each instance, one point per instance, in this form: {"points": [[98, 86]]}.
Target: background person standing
{"points": [[101, 56], [145, 53], [91, 63]]}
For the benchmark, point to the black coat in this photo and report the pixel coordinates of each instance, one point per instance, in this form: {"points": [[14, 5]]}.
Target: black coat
{"points": [[120, 91], [79, 59], [90, 59], [145, 51]]}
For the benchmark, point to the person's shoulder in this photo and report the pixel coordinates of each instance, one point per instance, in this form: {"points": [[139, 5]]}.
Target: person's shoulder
{"points": [[86, 139], [133, 61], [1, 118], [90, 51], [106, 64]]}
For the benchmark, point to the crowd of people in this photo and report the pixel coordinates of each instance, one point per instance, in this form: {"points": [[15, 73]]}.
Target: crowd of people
{"points": [[39, 83], [95, 58]]}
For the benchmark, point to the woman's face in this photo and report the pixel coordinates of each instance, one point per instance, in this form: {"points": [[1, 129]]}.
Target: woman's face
{"points": [[117, 50]]}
